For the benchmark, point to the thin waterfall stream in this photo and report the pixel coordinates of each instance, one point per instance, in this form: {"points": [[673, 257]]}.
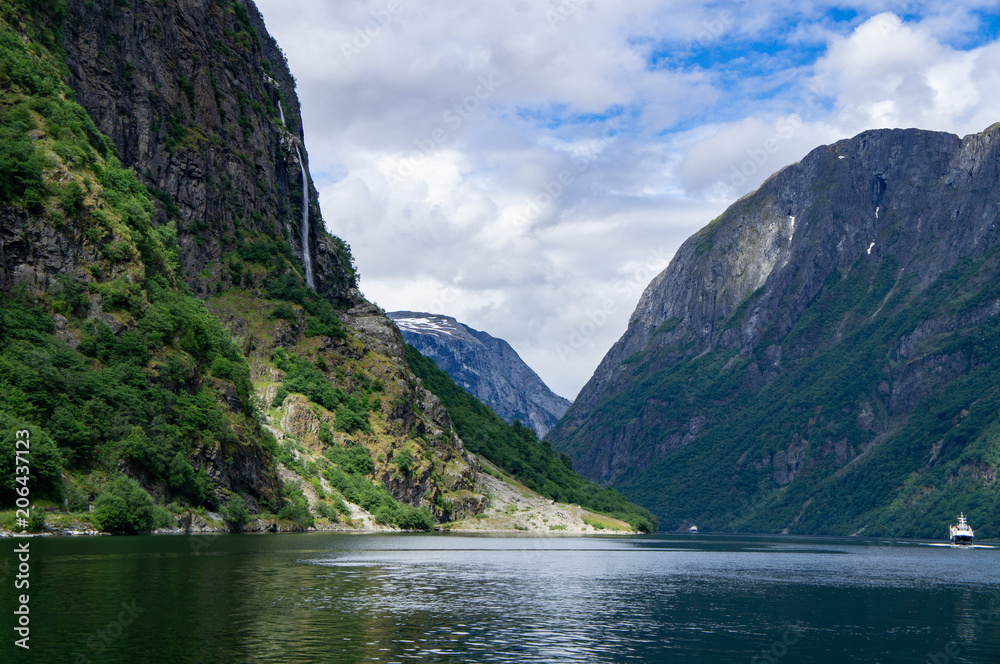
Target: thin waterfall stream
{"points": [[306, 257]]}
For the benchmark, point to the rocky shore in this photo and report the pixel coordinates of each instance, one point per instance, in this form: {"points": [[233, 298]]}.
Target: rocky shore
{"points": [[512, 509]]}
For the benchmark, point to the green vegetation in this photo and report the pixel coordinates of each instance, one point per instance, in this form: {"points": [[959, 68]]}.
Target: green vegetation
{"points": [[76, 499], [837, 361], [36, 522], [20, 165], [404, 460], [348, 469], [296, 506], [32, 90], [235, 512], [44, 478], [304, 377], [124, 508], [376, 500], [246, 35], [144, 396], [353, 459], [152, 376], [348, 475], [323, 320], [602, 523], [516, 449]]}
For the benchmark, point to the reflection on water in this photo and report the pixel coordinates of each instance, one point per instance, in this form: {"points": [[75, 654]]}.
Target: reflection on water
{"points": [[450, 598]]}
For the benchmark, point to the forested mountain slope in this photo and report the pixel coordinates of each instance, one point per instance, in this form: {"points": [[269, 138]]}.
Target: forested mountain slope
{"points": [[823, 358]]}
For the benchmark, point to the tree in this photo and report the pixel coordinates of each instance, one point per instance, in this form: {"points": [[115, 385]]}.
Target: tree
{"points": [[138, 447], [124, 508], [182, 478], [404, 460], [76, 500], [408, 517], [36, 522], [44, 478], [236, 513], [296, 507]]}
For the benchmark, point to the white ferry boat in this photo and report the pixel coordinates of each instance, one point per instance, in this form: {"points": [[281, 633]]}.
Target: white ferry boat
{"points": [[962, 533]]}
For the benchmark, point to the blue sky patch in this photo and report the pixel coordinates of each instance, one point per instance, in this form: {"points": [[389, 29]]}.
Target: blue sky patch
{"points": [[555, 116], [989, 30]]}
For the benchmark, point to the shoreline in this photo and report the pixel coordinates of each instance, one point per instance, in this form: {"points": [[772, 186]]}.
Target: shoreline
{"points": [[493, 521], [292, 528], [71, 533]]}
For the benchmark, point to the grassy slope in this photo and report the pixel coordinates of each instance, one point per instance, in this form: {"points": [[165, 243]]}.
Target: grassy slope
{"points": [[516, 450]]}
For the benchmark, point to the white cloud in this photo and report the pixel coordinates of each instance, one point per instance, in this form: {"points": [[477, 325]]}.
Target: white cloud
{"points": [[884, 73], [891, 74], [515, 163]]}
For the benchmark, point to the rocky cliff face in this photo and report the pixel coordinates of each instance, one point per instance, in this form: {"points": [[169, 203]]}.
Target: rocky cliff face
{"points": [[199, 99], [101, 257], [485, 367], [791, 352]]}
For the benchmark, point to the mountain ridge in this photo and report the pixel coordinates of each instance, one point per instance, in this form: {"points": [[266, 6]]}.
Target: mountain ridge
{"points": [[875, 254], [485, 366]]}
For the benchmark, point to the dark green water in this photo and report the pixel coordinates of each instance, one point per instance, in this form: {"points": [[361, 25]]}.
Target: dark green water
{"points": [[451, 598]]}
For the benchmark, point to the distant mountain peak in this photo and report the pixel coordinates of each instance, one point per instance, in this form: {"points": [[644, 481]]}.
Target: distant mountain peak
{"points": [[418, 323], [486, 367]]}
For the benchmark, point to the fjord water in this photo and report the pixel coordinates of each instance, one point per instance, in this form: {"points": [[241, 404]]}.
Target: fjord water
{"points": [[454, 598]]}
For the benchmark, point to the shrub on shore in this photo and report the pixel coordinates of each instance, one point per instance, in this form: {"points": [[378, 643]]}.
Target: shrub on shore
{"points": [[125, 508]]}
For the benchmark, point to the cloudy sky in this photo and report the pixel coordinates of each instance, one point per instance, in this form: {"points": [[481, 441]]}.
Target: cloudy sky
{"points": [[528, 166]]}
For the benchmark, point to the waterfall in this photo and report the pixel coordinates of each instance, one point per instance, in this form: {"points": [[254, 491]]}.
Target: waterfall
{"points": [[306, 258]]}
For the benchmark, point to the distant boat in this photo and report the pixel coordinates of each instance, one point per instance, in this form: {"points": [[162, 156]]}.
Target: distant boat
{"points": [[693, 529], [961, 534]]}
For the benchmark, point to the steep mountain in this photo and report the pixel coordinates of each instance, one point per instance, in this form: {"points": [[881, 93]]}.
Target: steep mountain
{"points": [[173, 309], [824, 357], [486, 367], [198, 99], [107, 359]]}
